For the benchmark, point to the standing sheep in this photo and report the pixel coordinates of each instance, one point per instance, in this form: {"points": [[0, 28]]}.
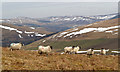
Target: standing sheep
{"points": [[103, 51], [15, 46], [43, 49], [69, 50], [90, 52], [76, 49]]}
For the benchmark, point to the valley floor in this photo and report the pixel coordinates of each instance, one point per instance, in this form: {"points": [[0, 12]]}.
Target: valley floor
{"points": [[31, 60]]}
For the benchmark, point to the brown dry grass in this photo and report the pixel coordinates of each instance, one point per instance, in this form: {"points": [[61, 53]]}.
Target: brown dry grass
{"points": [[31, 60]]}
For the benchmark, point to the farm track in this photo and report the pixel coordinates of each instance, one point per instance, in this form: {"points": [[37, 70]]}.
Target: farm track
{"points": [[31, 60]]}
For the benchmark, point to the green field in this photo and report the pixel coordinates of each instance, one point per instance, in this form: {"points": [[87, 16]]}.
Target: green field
{"points": [[85, 44]]}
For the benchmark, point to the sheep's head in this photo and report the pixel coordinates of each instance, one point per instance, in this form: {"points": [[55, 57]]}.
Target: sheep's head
{"points": [[21, 44], [79, 47], [73, 47], [92, 49], [102, 48], [51, 47]]}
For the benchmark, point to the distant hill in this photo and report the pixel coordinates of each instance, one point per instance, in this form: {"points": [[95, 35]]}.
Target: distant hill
{"points": [[23, 34], [102, 29], [62, 28], [59, 23], [97, 35]]}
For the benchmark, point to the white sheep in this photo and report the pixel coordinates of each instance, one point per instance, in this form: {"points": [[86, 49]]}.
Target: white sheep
{"points": [[103, 51], [76, 49], [69, 50], [44, 49], [72, 49], [90, 52], [15, 46]]}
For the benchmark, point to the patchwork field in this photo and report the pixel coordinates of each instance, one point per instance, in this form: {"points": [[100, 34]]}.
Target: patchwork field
{"points": [[31, 60]]}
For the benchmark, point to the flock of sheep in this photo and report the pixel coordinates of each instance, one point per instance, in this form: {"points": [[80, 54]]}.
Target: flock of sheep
{"points": [[67, 50]]}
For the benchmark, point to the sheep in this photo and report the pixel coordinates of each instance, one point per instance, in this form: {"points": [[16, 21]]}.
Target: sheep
{"points": [[15, 46], [72, 49], [103, 51], [69, 50], [76, 49], [44, 49], [90, 52]]}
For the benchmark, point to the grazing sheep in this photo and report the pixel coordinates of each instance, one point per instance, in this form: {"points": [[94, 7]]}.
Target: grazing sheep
{"points": [[90, 52], [103, 51], [15, 46], [76, 49], [44, 49], [69, 50]]}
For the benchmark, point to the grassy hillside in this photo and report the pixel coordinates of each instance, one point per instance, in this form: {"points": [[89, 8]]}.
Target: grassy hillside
{"points": [[86, 36], [31, 60], [10, 36], [96, 30], [96, 43]]}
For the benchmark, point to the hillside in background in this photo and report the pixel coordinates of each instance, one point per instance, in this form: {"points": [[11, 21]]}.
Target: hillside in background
{"points": [[62, 28], [97, 35], [102, 29], [58, 23], [23, 34]]}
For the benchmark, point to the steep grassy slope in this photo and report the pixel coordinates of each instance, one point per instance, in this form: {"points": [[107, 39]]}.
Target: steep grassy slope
{"points": [[31, 60], [85, 44]]}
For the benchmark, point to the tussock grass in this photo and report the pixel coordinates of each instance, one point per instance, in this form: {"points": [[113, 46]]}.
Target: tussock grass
{"points": [[31, 60]]}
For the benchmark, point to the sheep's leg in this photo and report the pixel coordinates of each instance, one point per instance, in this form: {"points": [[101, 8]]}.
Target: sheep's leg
{"points": [[89, 55], [105, 54], [46, 54], [39, 52], [67, 52], [74, 52], [71, 52], [11, 49]]}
